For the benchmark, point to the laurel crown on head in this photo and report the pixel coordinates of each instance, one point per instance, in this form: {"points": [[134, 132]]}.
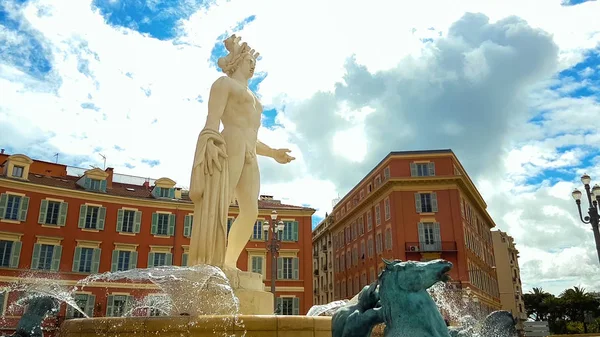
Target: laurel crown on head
{"points": [[237, 52]]}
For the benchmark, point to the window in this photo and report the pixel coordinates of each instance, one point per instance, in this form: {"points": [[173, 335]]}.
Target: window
{"points": [[426, 202], [288, 305], [85, 259], [124, 260], [388, 238], [53, 213], [386, 208], [188, 221], [164, 192], [85, 302], [369, 221], [257, 264], [45, 256], [290, 231], [361, 226], [342, 262], [377, 215], [160, 259], [10, 252], [361, 194], [348, 259], [287, 268], [257, 232], [369, 188], [17, 171], [162, 227], [354, 256], [378, 243], [362, 250], [184, 259], [157, 305], [370, 246], [118, 305], [429, 236], [13, 207], [377, 181], [354, 230], [128, 221], [386, 173], [163, 224], [422, 169], [348, 235], [91, 217]]}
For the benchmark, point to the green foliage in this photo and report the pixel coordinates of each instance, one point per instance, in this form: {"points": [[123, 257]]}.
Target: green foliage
{"points": [[574, 311]]}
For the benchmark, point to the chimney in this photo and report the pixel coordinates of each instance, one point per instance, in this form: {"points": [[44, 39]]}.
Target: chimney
{"points": [[266, 197], [146, 184], [178, 193], [1, 151], [109, 179]]}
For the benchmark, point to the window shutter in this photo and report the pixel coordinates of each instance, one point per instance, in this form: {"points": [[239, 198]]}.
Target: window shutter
{"points": [[171, 224], [156, 192], [172, 193], [43, 210], [96, 260], [168, 259], [101, 217], [154, 226], [133, 257], [295, 230], [128, 304], [421, 235], [295, 269], [279, 304], [87, 182], [187, 226], [296, 306], [431, 167], [150, 260], [120, 215], [413, 170], [3, 202], [62, 213], [82, 214], [115, 261], [89, 305], [137, 222], [76, 259], [437, 237], [35, 257], [15, 254], [23, 207], [184, 259], [103, 185], [109, 305], [418, 202], [434, 203], [280, 268], [56, 254], [70, 311]]}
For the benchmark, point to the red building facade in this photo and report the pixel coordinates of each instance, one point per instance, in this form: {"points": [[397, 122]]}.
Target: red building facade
{"points": [[66, 227], [414, 206]]}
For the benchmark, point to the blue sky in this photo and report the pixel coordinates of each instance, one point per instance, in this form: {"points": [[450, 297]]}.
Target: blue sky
{"points": [[130, 80]]}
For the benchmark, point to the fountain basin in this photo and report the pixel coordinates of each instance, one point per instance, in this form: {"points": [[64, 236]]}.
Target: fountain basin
{"points": [[202, 326]]}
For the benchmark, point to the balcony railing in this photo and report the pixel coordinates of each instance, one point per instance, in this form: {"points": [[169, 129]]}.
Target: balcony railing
{"points": [[432, 246]]}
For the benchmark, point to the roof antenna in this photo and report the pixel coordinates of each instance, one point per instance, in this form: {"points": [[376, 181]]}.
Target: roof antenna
{"points": [[103, 156], [56, 155]]}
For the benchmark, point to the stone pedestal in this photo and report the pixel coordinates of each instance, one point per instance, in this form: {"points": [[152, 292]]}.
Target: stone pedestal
{"points": [[249, 288]]}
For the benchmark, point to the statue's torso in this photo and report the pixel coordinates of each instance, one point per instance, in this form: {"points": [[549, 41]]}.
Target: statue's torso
{"points": [[242, 114]]}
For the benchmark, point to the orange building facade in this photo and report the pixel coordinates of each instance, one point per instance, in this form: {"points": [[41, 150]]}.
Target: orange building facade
{"points": [[66, 227], [417, 205]]}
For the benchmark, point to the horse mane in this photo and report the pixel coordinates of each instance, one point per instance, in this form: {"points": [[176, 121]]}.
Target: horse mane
{"points": [[388, 286]]}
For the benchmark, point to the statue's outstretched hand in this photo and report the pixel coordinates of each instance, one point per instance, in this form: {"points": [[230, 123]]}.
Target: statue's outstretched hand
{"points": [[213, 152], [281, 156]]}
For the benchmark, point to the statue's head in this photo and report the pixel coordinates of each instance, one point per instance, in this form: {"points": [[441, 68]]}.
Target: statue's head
{"points": [[241, 58], [369, 296], [415, 276], [41, 305]]}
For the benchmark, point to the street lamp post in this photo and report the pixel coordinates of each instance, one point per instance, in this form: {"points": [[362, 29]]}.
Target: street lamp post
{"points": [[273, 228], [593, 197]]}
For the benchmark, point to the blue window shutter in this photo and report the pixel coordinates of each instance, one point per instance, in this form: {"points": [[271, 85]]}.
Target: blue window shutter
{"points": [[23, 207], [115, 261], [120, 214], [184, 260], [171, 224], [109, 305], [103, 185], [280, 268], [56, 254], [82, 214], [296, 306], [62, 213], [133, 260], [15, 254], [156, 192], [279, 303], [101, 217], [3, 202], [295, 269], [96, 260], [418, 202], [43, 210], [413, 170], [35, 257], [187, 225], [89, 305], [154, 226], [76, 259], [137, 222], [434, 202], [172, 193], [421, 235], [87, 182], [168, 259], [295, 230], [150, 260]]}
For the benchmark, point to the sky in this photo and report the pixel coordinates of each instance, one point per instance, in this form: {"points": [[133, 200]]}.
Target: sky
{"points": [[512, 87]]}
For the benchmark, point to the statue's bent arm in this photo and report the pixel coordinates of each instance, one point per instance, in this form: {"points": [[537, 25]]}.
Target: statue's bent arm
{"points": [[219, 93], [263, 149]]}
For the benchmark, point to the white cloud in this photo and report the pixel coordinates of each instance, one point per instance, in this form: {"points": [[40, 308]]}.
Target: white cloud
{"points": [[373, 72]]}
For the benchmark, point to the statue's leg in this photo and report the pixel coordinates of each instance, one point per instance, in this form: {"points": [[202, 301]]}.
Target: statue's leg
{"points": [[246, 192]]}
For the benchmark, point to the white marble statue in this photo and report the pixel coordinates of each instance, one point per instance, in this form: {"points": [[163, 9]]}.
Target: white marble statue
{"points": [[225, 164]]}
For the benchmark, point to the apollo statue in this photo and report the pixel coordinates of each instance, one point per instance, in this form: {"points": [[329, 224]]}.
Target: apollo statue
{"points": [[225, 166]]}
